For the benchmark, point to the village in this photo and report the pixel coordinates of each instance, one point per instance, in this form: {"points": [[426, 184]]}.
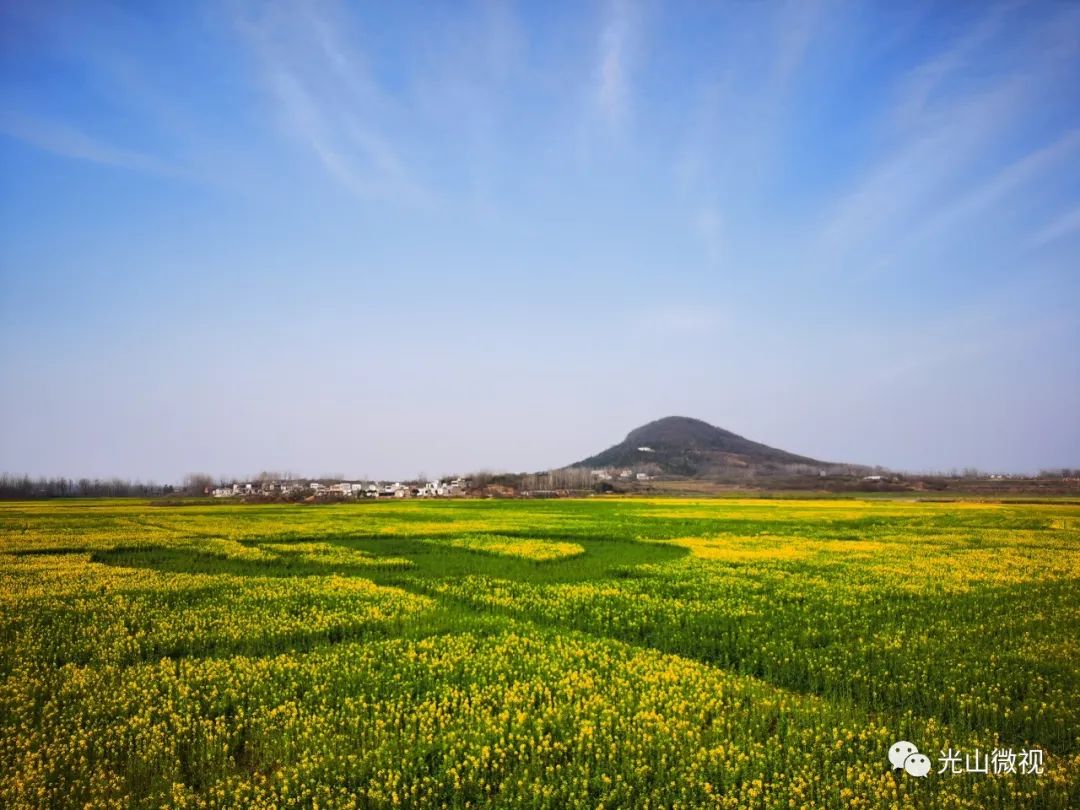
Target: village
{"points": [[478, 485], [299, 488]]}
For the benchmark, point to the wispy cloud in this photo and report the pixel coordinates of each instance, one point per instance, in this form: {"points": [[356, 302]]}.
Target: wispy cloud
{"points": [[919, 86], [932, 178], [1061, 227], [61, 139], [740, 119], [902, 184], [614, 51], [796, 25], [982, 197], [326, 98]]}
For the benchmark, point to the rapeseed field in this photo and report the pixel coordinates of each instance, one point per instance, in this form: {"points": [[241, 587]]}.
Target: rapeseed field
{"points": [[596, 653]]}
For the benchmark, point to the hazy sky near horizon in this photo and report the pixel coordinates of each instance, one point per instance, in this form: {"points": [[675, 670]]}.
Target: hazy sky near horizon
{"points": [[383, 239]]}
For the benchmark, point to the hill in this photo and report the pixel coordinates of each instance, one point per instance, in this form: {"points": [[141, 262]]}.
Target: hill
{"points": [[685, 447]]}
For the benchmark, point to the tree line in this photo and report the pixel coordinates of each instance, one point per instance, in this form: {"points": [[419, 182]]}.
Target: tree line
{"points": [[23, 487]]}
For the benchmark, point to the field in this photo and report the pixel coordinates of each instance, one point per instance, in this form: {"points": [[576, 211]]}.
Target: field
{"points": [[571, 653]]}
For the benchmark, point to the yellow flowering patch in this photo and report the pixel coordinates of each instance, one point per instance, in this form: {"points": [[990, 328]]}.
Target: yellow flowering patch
{"points": [[328, 554], [229, 549], [525, 549], [739, 549]]}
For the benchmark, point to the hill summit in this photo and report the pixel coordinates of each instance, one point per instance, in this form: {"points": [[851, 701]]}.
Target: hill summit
{"points": [[679, 445]]}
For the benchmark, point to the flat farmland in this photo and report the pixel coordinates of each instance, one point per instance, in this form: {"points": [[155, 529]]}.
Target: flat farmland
{"points": [[565, 653]]}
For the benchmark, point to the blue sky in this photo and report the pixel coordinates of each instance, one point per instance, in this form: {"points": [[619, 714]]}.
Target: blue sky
{"points": [[382, 239]]}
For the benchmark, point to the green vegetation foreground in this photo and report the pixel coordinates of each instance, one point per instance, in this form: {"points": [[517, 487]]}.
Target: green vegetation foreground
{"points": [[593, 653]]}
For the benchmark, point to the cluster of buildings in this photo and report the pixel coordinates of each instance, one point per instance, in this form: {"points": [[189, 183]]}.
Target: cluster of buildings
{"points": [[625, 474], [343, 489]]}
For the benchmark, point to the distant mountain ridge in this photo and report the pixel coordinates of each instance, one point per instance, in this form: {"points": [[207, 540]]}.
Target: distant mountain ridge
{"points": [[682, 446]]}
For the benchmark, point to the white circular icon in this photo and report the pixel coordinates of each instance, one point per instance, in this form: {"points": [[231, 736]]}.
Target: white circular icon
{"points": [[917, 764], [899, 752]]}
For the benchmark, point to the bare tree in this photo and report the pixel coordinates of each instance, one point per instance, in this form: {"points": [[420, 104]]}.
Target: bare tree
{"points": [[197, 483]]}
